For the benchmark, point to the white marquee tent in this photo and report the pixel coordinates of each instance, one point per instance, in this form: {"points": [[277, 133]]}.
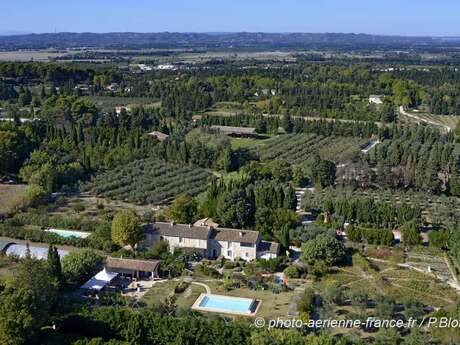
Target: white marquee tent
{"points": [[100, 280]]}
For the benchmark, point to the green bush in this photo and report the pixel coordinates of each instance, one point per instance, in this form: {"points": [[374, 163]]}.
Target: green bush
{"points": [[207, 271], [291, 272], [78, 207], [370, 235], [307, 301], [78, 267]]}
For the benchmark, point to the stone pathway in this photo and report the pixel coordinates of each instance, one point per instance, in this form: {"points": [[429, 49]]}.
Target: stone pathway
{"points": [[208, 289], [144, 287]]}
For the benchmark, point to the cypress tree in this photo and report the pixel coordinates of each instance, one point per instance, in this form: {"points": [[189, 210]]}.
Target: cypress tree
{"points": [[54, 264]]}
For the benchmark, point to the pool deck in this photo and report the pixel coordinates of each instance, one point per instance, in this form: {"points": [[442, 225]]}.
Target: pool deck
{"points": [[196, 305]]}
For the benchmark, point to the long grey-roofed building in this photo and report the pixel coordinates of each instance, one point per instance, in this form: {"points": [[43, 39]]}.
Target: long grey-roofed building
{"points": [[212, 242], [236, 131]]}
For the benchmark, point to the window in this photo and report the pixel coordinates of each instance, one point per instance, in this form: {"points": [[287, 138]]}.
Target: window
{"points": [[229, 253], [245, 244], [181, 239], [246, 254]]}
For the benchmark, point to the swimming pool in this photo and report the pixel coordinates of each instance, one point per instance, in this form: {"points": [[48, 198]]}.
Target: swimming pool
{"points": [[69, 233], [226, 304]]}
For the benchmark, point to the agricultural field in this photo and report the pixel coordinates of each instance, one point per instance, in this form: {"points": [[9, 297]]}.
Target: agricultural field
{"points": [[148, 181], [439, 121], [109, 103], [297, 148], [435, 209], [92, 208], [384, 277], [247, 143], [31, 55]]}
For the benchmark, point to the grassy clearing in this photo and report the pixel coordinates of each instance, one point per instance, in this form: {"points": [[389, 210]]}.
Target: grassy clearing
{"points": [[26, 56], [109, 103], [392, 255], [160, 291], [273, 305], [446, 120], [246, 143], [11, 196], [386, 278], [92, 208], [450, 121]]}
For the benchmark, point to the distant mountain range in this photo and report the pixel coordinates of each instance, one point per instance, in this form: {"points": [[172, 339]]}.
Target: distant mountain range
{"points": [[242, 41]]}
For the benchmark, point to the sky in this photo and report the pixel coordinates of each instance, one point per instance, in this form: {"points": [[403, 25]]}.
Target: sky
{"points": [[390, 17]]}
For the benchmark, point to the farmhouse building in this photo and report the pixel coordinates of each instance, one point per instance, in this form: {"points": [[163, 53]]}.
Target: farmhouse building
{"points": [[244, 132], [159, 135], [120, 109], [376, 99], [212, 242]]}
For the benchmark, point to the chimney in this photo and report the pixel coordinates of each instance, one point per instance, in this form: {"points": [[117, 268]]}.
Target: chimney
{"points": [[172, 223], [241, 233], [190, 225]]}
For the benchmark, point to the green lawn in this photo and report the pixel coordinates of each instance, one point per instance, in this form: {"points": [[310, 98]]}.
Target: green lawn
{"points": [[273, 305], [390, 280], [11, 196], [160, 291]]}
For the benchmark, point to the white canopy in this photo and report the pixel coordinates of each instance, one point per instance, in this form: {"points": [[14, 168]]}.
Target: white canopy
{"points": [[40, 253], [100, 280]]}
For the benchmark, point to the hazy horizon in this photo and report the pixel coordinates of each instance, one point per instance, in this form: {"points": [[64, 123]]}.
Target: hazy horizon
{"points": [[19, 33], [389, 18]]}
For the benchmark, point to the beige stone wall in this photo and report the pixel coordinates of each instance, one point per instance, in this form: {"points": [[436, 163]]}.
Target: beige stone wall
{"points": [[176, 242], [233, 250]]}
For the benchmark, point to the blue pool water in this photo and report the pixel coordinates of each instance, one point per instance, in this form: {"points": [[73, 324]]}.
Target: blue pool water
{"points": [[232, 305], [68, 233]]}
